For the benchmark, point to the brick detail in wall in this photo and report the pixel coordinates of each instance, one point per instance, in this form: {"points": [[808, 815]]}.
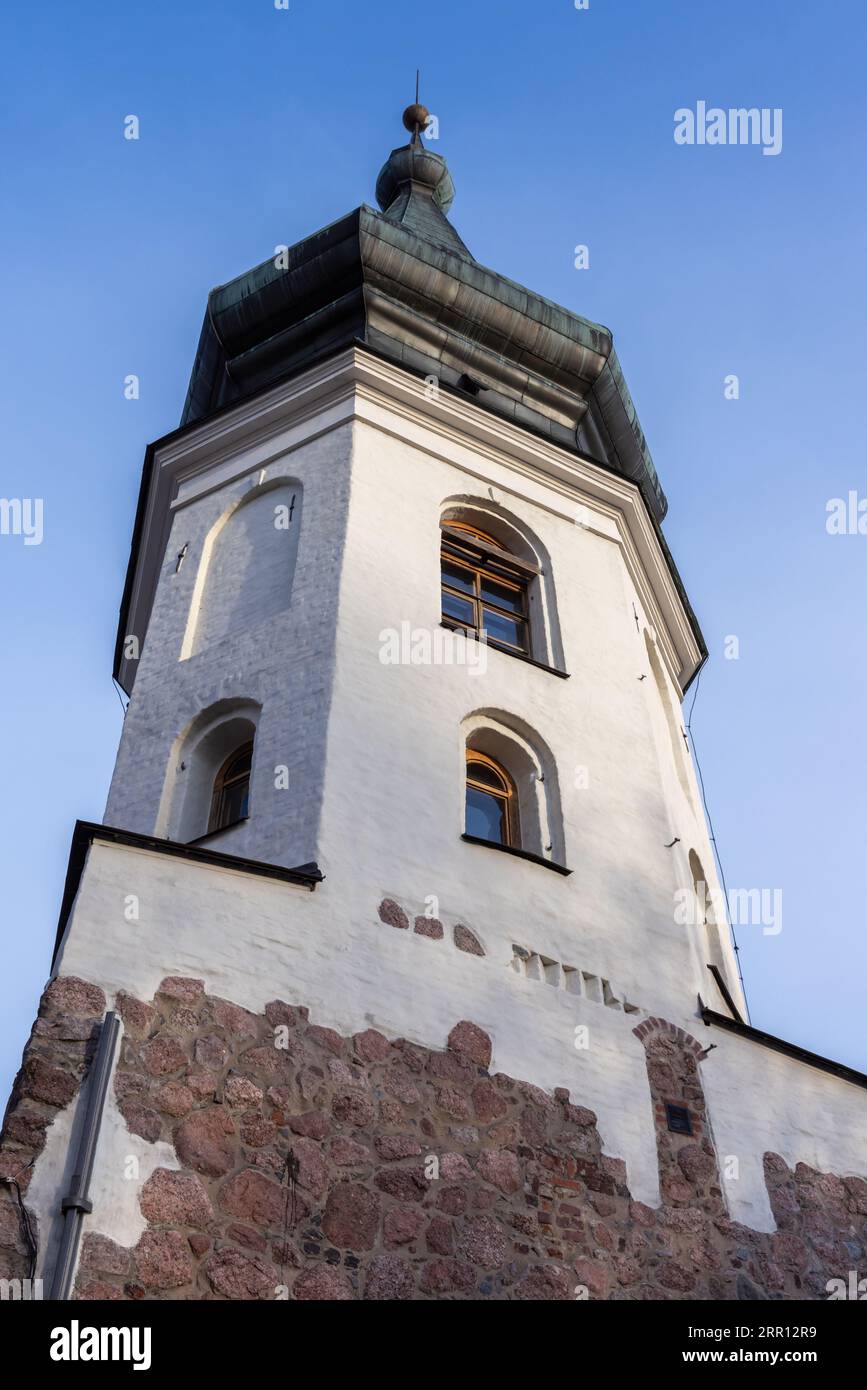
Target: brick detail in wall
{"points": [[418, 1174], [687, 1162], [533, 965], [526, 963], [393, 915]]}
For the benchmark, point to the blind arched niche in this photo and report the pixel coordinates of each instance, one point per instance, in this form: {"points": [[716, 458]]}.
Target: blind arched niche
{"points": [[247, 566]]}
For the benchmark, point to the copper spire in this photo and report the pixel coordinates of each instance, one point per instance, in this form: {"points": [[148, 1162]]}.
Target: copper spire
{"points": [[416, 116]]}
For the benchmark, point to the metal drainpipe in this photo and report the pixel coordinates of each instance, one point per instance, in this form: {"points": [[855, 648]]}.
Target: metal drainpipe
{"points": [[76, 1202]]}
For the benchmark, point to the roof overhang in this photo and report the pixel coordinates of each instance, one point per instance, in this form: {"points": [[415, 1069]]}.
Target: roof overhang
{"points": [[810, 1059], [86, 832], [412, 292]]}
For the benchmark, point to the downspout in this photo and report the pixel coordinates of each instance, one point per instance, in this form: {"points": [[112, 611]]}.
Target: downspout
{"points": [[76, 1202]]}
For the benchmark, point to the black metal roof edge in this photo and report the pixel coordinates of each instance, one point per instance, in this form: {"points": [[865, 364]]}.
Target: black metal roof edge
{"points": [[701, 665], [726, 993], [507, 651], [132, 563], [184, 429], [347, 217], [695, 627], [256, 289], [811, 1059], [379, 217], [86, 832], [518, 853]]}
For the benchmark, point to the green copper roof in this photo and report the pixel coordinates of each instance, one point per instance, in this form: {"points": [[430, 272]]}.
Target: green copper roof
{"points": [[401, 281]]}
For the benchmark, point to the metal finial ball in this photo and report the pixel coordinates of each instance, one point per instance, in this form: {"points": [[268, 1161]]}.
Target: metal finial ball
{"points": [[416, 117]]}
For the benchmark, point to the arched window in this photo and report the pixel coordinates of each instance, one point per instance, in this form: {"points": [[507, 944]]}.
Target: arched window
{"points": [[209, 773], [492, 802], [230, 802], [511, 792], [485, 587]]}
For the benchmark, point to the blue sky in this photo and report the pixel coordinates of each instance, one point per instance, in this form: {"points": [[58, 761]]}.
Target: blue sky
{"points": [[259, 126]]}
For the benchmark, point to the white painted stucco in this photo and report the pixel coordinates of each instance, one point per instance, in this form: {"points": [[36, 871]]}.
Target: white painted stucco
{"points": [[375, 757], [372, 751], [759, 1101], [123, 1163]]}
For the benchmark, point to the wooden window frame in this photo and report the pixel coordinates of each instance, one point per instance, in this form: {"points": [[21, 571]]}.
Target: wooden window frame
{"points": [[508, 795], [224, 782], [484, 558]]}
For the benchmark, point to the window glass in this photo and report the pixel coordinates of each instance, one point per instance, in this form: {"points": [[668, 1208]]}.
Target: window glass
{"points": [[231, 798], [236, 799], [487, 775], [491, 801], [502, 629], [485, 593], [458, 577], [461, 609], [239, 765], [485, 816], [503, 595]]}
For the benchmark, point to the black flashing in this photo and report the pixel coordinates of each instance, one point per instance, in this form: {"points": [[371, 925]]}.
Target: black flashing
{"points": [[518, 853], [724, 991], [86, 832], [811, 1059], [132, 564], [472, 636]]}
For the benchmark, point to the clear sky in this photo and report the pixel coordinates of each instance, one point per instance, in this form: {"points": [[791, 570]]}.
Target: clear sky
{"points": [[257, 126]]}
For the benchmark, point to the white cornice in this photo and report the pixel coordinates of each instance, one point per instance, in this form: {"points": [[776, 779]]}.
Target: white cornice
{"points": [[357, 385]]}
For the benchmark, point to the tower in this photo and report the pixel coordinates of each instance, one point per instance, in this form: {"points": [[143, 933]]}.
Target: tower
{"points": [[404, 884]]}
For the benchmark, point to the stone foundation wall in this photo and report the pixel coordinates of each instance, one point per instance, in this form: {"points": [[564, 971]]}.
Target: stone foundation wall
{"points": [[56, 1060], [315, 1166]]}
